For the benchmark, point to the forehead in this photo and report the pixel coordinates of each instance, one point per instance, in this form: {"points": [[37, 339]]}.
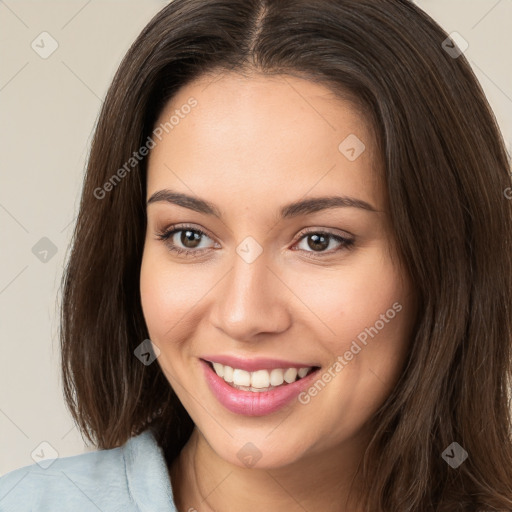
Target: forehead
{"points": [[264, 136]]}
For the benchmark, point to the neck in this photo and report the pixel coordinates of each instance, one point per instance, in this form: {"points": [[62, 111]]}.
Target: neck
{"points": [[204, 482]]}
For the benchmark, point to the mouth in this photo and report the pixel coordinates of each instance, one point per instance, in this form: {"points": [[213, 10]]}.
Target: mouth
{"points": [[249, 393], [262, 380]]}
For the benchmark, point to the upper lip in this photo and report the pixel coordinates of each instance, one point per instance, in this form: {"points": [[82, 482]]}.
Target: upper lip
{"points": [[251, 365]]}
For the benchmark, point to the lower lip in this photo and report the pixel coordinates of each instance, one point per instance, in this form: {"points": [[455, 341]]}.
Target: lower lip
{"points": [[258, 403]]}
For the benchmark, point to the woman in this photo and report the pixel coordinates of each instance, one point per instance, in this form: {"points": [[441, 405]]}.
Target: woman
{"points": [[290, 283]]}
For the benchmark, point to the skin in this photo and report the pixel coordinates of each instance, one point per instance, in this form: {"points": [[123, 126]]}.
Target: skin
{"points": [[251, 145]]}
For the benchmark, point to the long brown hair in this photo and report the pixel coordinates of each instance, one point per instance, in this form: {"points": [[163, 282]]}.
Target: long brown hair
{"points": [[446, 170]]}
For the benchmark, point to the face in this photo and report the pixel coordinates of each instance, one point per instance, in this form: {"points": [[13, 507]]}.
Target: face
{"points": [[255, 273]]}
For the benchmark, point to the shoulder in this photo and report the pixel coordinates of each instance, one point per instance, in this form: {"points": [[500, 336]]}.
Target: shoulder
{"points": [[81, 480], [108, 480]]}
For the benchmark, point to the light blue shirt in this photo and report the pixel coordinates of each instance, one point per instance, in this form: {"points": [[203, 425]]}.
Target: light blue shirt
{"points": [[131, 478]]}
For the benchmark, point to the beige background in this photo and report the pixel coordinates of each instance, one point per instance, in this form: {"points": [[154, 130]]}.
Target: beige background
{"points": [[48, 111]]}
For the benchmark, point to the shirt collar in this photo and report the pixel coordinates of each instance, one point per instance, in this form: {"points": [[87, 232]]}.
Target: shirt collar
{"points": [[147, 474]]}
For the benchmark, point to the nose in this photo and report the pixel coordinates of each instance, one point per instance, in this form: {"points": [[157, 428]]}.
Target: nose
{"points": [[251, 300]]}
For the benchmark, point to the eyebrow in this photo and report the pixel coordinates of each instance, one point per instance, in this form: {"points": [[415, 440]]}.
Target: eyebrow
{"points": [[291, 210]]}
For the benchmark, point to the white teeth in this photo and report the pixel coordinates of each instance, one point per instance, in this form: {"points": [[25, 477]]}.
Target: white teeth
{"points": [[228, 374], [241, 377], [303, 372], [260, 380], [276, 377], [290, 375], [219, 369]]}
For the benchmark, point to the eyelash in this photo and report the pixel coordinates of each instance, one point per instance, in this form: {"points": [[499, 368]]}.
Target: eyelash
{"points": [[346, 243]]}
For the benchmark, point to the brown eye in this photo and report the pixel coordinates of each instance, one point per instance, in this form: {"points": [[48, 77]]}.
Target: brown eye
{"points": [[188, 243], [190, 239], [319, 241]]}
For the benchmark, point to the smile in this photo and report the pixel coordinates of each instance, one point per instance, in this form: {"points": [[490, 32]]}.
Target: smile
{"points": [[260, 380], [277, 387]]}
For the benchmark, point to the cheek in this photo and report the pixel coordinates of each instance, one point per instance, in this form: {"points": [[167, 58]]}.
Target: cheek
{"points": [[168, 295], [353, 298], [366, 316]]}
